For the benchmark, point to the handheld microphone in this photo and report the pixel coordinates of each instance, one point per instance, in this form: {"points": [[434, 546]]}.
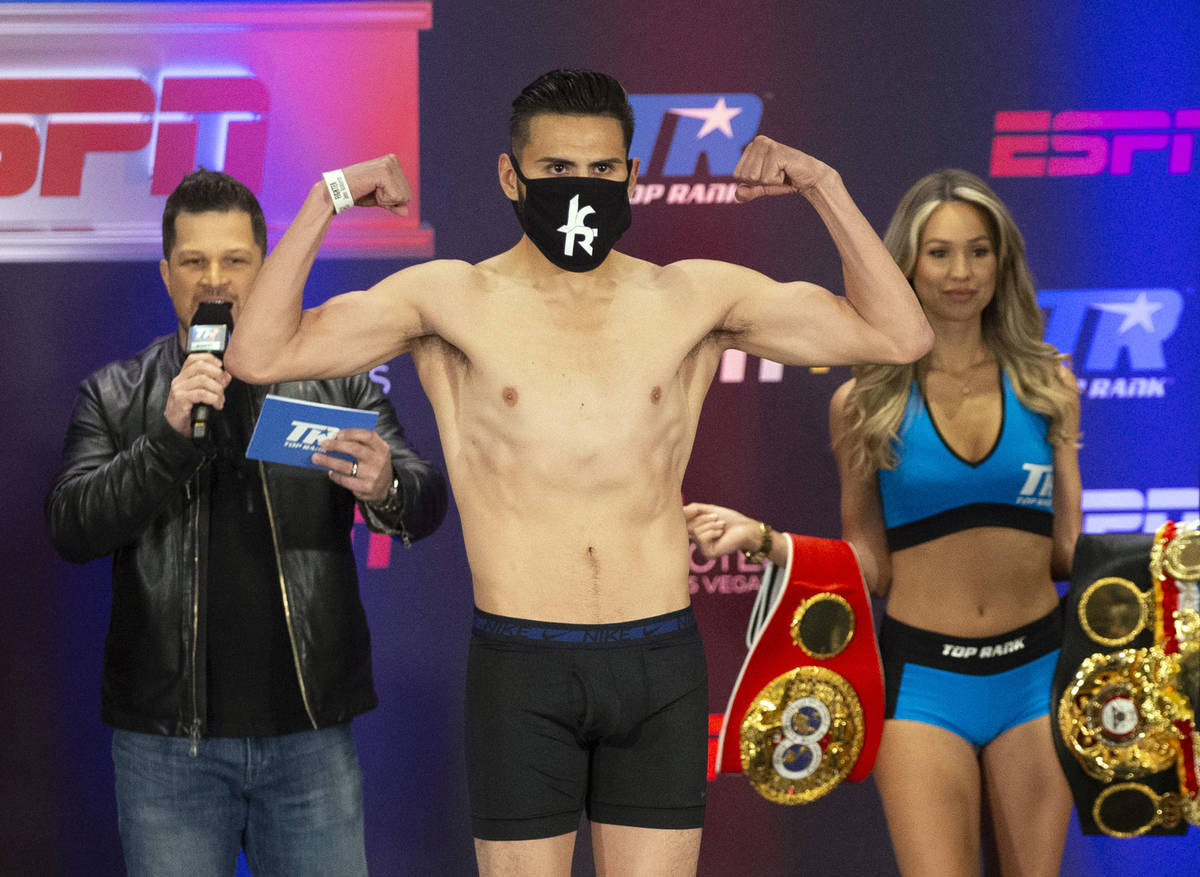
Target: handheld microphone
{"points": [[209, 333]]}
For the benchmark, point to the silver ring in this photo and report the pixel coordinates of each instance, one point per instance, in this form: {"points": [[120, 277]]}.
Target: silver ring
{"points": [[354, 470]]}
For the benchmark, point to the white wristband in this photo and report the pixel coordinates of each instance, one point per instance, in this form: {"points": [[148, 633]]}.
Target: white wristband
{"points": [[339, 190]]}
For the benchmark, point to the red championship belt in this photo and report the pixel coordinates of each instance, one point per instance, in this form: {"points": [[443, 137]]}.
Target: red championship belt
{"points": [[807, 709]]}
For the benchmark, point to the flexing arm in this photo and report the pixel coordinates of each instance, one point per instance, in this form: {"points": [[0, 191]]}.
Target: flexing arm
{"points": [[276, 341], [879, 320], [862, 514]]}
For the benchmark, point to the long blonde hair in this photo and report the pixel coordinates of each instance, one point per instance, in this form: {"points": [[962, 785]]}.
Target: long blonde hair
{"points": [[1012, 325]]}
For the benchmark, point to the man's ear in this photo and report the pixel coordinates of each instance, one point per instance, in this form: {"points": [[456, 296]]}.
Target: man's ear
{"points": [[508, 178], [635, 165]]}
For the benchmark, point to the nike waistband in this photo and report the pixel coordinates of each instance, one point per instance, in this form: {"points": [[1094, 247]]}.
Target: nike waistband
{"points": [[642, 630]]}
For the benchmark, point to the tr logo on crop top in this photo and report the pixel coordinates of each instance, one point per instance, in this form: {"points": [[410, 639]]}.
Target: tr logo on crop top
{"points": [[934, 492]]}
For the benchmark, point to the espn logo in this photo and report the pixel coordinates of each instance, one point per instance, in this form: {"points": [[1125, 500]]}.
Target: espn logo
{"points": [[54, 123], [1078, 143]]}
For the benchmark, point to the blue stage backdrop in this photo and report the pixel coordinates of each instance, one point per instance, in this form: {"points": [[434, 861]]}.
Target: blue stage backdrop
{"points": [[1083, 117]]}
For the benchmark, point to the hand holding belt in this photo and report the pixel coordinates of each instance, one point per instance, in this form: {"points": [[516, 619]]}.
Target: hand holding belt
{"points": [[807, 709]]}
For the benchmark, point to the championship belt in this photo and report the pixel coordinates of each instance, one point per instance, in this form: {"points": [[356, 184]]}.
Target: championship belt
{"points": [[807, 709], [1128, 680]]}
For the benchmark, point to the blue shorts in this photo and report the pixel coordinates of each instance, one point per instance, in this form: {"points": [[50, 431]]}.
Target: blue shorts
{"points": [[975, 688]]}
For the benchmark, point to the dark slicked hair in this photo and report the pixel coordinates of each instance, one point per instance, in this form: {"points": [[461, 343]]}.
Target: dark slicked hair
{"points": [[204, 190], [570, 93]]}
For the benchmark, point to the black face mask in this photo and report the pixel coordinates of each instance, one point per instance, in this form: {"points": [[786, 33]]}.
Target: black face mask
{"points": [[573, 221]]}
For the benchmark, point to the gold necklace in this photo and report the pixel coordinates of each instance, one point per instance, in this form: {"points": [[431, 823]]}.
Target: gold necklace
{"points": [[966, 381]]}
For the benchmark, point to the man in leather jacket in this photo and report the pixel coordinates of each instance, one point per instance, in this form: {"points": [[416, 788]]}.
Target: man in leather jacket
{"points": [[237, 650]]}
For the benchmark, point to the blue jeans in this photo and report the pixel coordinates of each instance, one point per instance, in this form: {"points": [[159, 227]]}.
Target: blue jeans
{"points": [[293, 803]]}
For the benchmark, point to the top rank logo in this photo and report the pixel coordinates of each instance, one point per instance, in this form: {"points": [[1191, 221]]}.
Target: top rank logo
{"points": [[1077, 143], [1105, 329], [309, 435], [1038, 489], [696, 135]]}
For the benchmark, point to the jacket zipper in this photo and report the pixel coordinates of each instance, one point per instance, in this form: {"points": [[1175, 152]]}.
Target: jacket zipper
{"points": [[194, 730], [287, 606], [404, 537]]}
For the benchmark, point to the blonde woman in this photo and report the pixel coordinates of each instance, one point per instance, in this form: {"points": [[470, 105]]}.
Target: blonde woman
{"points": [[961, 493]]}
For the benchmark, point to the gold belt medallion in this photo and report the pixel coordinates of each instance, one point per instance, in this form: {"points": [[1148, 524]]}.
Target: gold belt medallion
{"points": [[1116, 715], [1113, 611], [1132, 809], [1129, 714], [801, 735]]}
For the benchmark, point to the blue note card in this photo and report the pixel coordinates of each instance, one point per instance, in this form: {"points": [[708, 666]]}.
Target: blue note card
{"points": [[290, 430]]}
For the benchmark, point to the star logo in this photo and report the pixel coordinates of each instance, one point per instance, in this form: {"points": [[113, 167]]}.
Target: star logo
{"points": [[1137, 312], [716, 117]]}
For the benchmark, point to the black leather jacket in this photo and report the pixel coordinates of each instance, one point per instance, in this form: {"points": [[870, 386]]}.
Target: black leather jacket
{"points": [[132, 487]]}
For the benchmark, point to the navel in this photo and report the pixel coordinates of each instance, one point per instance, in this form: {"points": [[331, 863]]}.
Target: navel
{"points": [[509, 394], [656, 395], [594, 565]]}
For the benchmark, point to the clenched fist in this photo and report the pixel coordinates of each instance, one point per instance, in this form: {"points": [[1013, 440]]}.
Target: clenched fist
{"points": [[770, 168], [379, 182]]}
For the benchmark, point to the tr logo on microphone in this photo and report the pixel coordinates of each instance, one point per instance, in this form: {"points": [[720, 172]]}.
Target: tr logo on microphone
{"points": [[208, 339]]}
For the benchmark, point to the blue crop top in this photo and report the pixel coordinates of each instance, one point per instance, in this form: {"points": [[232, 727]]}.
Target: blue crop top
{"points": [[933, 491]]}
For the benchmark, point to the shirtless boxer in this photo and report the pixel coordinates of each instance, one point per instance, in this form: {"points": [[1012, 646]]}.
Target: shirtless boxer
{"points": [[567, 382]]}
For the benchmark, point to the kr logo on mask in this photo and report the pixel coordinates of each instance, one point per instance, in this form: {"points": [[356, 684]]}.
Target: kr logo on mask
{"points": [[574, 227]]}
